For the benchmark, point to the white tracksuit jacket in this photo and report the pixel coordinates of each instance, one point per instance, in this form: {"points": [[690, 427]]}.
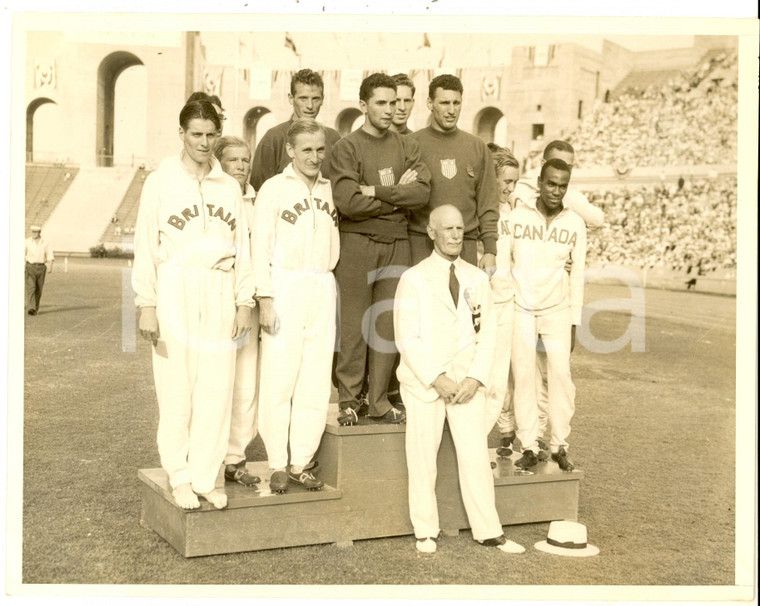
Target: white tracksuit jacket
{"points": [[294, 229], [191, 224], [501, 281], [539, 253]]}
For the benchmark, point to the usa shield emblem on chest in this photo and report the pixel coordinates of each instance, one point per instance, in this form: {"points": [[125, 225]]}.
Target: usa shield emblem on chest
{"points": [[449, 168], [386, 176]]}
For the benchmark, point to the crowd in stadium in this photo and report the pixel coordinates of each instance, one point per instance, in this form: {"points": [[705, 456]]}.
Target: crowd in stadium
{"points": [[689, 120], [668, 226]]}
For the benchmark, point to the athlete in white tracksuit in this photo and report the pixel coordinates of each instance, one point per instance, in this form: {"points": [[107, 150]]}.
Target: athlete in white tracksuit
{"points": [[234, 155], [548, 302], [193, 266], [296, 247], [497, 406], [593, 216], [243, 421], [498, 394]]}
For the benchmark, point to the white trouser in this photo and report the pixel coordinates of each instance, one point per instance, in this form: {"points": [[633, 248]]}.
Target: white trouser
{"points": [[542, 392], [424, 429], [506, 420], [496, 404], [296, 366], [194, 368], [554, 329], [244, 395]]}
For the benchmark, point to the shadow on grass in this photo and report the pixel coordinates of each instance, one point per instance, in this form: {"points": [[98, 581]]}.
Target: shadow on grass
{"points": [[63, 309]]}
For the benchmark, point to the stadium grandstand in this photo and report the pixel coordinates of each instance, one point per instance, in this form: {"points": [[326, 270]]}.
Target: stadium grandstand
{"points": [[690, 119], [44, 187]]}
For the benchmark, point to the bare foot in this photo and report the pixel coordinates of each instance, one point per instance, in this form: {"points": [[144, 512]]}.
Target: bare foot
{"points": [[216, 497], [185, 497]]}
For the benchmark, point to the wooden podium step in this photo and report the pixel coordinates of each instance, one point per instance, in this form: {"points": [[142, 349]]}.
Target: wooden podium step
{"points": [[253, 519], [365, 496]]}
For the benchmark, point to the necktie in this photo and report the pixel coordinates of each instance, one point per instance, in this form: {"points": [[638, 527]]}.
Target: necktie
{"points": [[453, 285]]}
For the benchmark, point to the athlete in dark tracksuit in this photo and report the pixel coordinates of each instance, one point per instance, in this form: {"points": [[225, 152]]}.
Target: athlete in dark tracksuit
{"points": [[374, 252]]}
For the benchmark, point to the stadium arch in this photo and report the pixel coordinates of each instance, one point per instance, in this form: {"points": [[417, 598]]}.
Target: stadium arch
{"points": [[108, 71], [490, 125], [346, 120], [256, 122], [30, 110]]}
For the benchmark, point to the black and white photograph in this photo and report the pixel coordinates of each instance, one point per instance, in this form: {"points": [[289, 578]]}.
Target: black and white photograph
{"points": [[412, 302]]}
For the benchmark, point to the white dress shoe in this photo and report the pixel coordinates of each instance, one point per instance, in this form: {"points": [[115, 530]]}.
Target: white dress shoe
{"points": [[511, 547], [427, 546]]}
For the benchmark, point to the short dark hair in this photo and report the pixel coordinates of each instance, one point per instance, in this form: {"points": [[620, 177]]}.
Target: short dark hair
{"points": [[199, 95], [446, 82], [303, 125], [559, 145], [373, 81], [554, 163], [307, 77], [502, 157], [199, 109], [225, 142], [404, 80]]}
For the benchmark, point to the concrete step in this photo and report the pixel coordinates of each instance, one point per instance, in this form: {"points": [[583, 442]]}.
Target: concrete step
{"points": [[78, 221]]}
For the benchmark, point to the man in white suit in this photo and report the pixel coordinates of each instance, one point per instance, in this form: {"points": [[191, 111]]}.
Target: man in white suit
{"points": [[445, 332]]}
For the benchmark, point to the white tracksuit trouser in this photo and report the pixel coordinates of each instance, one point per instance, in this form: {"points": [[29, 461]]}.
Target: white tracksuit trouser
{"points": [[194, 374], [243, 419], [497, 405], [296, 366], [555, 332], [506, 420], [542, 391], [424, 429]]}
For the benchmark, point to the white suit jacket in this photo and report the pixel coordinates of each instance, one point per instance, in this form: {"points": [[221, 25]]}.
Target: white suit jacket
{"points": [[433, 336]]}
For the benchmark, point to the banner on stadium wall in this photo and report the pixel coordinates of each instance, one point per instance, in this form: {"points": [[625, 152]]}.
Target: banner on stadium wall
{"points": [[212, 80], [44, 73], [350, 81], [490, 87], [261, 83]]}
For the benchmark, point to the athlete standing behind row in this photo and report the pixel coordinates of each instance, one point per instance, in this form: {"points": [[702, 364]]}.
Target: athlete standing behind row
{"points": [[295, 248], [194, 288], [306, 95], [404, 104], [461, 173], [235, 157], [499, 392]]}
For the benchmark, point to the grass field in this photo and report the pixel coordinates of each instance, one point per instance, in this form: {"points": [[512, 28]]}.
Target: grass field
{"points": [[653, 431]]}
